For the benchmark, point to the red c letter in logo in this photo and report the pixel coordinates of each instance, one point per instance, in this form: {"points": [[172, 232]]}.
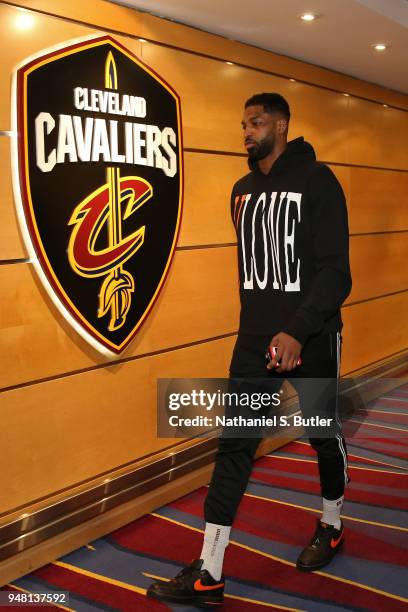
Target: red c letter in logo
{"points": [[89, 217]]}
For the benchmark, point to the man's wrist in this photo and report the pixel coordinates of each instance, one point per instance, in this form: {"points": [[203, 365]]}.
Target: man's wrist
{"points": [[298, 329]]}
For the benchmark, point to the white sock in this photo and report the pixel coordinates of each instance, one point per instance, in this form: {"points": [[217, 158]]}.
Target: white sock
{"points": [[331, 511], [216, 538]]}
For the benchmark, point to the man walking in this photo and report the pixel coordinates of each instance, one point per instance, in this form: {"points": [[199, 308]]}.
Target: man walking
{"points": [[292, 230]]}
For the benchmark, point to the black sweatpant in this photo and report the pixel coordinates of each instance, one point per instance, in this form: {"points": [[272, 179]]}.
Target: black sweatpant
{"points": [[235, 455]]}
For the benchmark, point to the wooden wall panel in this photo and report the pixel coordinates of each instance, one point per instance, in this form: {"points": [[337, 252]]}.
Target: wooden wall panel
{"points": [[218, 96], [70, 429], [111, 16], [376, 135], [37, 342], [11, 243], [373, 331], [378, 200], [208, 183], [378, 265]]}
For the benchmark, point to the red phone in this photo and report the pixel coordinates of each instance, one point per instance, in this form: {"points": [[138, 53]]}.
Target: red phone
{"points": [[271, 352]]}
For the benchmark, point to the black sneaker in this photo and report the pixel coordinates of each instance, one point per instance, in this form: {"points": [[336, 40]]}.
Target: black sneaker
{"points": [[325, 543], [191, 586]]}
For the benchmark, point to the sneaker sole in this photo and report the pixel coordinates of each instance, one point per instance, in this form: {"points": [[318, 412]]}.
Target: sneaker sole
{"points": [[312, 568], [199, 602]]}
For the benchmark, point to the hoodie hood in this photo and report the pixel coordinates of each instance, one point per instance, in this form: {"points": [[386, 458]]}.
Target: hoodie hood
{"points": [[297, 153]]}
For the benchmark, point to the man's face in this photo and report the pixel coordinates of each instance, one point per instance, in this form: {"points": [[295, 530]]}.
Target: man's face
{"points": [[259, 132]]}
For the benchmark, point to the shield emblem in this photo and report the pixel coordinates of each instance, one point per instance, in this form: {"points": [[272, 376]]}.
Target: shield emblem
{"points": [[99, 183]]}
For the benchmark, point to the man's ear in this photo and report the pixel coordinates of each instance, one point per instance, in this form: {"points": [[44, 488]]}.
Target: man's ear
{"points": [[282, 126]]}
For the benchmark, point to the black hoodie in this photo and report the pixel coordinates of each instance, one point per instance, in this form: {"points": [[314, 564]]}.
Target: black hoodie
{"points": [[293, 259]]}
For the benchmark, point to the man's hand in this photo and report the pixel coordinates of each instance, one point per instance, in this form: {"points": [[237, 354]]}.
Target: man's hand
{"points": [[287, 352]]}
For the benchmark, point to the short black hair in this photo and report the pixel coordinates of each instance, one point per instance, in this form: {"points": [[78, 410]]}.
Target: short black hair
{"points": [[272, 103]]}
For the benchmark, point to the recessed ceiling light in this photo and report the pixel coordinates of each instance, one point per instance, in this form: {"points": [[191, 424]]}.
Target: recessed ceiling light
{"points": [[347, 95], [385, 105], [308, 17], [292, 80], [24, 21], [380, 46], [230, 63], [142, 40]]}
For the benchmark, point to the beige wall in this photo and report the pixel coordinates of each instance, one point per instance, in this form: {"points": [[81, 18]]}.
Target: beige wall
{"points": [[70, 415]]}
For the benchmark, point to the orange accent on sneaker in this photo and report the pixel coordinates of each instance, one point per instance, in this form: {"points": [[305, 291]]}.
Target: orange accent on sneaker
{"points": [[334, 542], [202, 587]]}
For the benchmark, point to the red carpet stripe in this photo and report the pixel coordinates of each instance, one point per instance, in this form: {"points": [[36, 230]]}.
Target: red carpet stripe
{"points": [[388, 409], [398, 443], [388, 401], [395, 480], [353, 494], [367, 425], [384, 436], [299, 449], [100, 591], [385, 459], [379, 448], [377, 429], [300, 446], [385, 446], [306, 451], [231, 604], [385, 417], [389, 442]]}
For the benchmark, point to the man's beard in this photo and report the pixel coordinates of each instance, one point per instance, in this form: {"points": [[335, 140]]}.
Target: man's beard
{"points": [[261, 150]]}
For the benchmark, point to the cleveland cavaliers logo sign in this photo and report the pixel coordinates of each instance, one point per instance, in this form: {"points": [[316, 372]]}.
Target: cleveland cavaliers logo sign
{"points": [[100, 180]]}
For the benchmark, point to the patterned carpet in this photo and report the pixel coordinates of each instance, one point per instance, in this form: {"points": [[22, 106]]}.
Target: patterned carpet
{"points": [[275, 520]]}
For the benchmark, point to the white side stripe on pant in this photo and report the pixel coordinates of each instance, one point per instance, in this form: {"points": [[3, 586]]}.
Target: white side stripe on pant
{"points": [[338, 436]]}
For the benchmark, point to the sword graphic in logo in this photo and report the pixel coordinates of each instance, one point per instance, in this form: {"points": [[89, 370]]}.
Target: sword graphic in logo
{"points": [[89, 217]]}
